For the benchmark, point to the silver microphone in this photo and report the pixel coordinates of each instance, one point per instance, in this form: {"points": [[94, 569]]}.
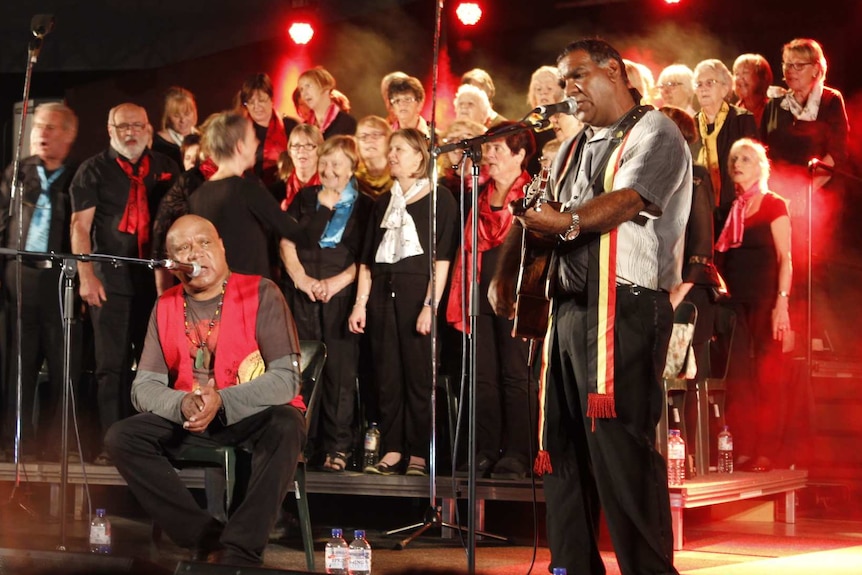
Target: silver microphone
{"points": [[815, 164], [192, 269], [568, 106]]}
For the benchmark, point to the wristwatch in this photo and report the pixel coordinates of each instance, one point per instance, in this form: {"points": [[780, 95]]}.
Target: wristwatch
{"points": [[573, 230]]}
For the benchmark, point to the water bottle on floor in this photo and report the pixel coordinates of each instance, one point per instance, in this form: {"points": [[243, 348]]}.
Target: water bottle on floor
{"points": [[359, 562], [675, 459], [100, 534], [372, 446], [725, 451], [336, 553]]}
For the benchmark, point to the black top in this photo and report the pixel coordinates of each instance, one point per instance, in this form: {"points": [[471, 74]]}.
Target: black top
{"points": [[797, 141], [168, 148], [245, 215], [326, 262], [751, 270], [174, 205], [102, 184], [447, 231], [61, 208], [343, 125]]}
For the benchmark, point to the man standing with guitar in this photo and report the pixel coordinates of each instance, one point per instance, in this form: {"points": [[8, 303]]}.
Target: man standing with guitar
{"points": [[624, 184]]}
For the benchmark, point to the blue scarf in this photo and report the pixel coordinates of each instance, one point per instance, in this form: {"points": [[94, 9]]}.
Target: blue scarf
{"points": [[335, 226]]}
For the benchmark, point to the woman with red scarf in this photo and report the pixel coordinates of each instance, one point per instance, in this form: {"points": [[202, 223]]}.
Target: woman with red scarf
{"points": [[753, 255], [328, 109], [504, 402], [271, 130]]}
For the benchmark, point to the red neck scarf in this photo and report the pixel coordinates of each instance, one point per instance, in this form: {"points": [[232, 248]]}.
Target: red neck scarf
{"points": [[293, 185], [734, 227], [331, 113], [493, 227], [275, 143], [208, 168], [136, 218]]}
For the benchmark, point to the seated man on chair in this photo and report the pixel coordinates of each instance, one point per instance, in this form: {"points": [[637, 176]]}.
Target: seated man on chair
{"points": [[207, 336]]}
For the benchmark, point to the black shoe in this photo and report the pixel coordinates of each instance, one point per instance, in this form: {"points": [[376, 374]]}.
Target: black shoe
{"points": [[208, 542], [484, 464], [103, 459], [510, 467]]}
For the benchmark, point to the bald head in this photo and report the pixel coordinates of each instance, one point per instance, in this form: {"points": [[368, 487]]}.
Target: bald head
{"points": [[195, 239]]}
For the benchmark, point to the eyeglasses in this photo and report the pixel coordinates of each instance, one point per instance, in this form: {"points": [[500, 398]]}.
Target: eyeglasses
{"points": [[305, 147], [706, 83], [368, 136], [129, 127], [670, 85], [795, 66], [402, 100], [265, 101]]}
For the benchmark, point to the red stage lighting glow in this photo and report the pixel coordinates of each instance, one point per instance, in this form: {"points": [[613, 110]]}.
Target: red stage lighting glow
{"points": [[301, 32], [671, 1], [469, 13]]}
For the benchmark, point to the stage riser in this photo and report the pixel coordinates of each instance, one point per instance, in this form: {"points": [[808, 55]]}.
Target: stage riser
{"points": [[836, 423], [31, 562]]}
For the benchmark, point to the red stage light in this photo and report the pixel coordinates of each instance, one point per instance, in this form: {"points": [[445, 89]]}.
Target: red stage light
{"points": [[671, 1], [469, 13], [301, 32]]}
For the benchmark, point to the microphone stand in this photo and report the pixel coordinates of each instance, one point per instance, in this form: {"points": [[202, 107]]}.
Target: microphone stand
{"points": [[17, 189], [70, 269]]}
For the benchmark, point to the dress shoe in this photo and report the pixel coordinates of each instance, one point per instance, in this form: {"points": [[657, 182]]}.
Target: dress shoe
{"points": [[484, 464], [103, 459], [510, 467], [761, 464], [208, 542]]}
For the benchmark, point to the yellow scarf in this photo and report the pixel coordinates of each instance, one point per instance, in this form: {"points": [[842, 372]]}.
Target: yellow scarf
{"points": [[708, 155]]}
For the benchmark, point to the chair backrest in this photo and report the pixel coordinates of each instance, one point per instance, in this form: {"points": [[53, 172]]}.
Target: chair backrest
{"points": [[721, 343], [311, 365]]}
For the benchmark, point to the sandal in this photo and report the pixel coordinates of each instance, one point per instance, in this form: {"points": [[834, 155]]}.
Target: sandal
{"points": [[383, 468]]}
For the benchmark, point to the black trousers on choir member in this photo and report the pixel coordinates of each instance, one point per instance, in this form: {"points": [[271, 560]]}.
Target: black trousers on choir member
{"points": [[756, 391], [42, 340], [505, 407], [327, 322], [119, 330], [140, 445], [614, 468], [402, 363]]}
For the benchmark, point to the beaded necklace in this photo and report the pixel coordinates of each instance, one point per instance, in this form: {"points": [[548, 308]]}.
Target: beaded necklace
{"points": [[203, 356]]}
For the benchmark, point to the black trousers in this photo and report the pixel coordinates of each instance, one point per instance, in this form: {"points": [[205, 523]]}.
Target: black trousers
{"points": [[119, 330], [327, 322], [614, 468], [140, 445], [42, 340], [505, 406], [402, 363]]}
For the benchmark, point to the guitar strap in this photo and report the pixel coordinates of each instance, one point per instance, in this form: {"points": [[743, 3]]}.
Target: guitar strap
{"points": [[601, 299]]}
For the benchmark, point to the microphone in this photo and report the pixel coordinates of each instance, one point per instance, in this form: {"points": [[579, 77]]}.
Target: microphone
{"points": [[568, 106], [192, 269], [41, 25], [816, 163]]}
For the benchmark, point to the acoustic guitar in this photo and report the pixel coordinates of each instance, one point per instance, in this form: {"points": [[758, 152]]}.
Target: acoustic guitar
{"points": [[533, 288]]}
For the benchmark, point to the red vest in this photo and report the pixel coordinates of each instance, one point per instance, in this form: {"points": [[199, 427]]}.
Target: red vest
{"points": [[237, 337]]}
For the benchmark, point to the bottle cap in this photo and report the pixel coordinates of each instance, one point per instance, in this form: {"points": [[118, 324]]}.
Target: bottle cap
{"points": [[336, 532], [359, 534], [725, 428], [100, 512]]}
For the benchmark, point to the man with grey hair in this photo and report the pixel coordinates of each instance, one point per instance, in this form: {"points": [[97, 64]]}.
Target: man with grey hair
{"points": [[113, 195], [45, 212]]}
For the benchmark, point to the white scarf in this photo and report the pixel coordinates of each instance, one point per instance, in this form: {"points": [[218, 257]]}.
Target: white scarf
{"points": [[808, 113], [401, 239]]}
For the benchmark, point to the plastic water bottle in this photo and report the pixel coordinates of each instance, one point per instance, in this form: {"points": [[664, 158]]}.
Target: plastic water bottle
{"points": [[100, 534], [675, 458], [372, 446], [336, 554], [359, 562], [725, 451]]}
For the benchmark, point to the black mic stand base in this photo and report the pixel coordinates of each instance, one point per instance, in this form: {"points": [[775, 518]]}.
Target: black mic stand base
{"points": [[434, 518]]}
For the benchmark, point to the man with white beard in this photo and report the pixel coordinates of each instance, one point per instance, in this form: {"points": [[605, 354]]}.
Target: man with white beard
{"points": [[113, 195]]}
